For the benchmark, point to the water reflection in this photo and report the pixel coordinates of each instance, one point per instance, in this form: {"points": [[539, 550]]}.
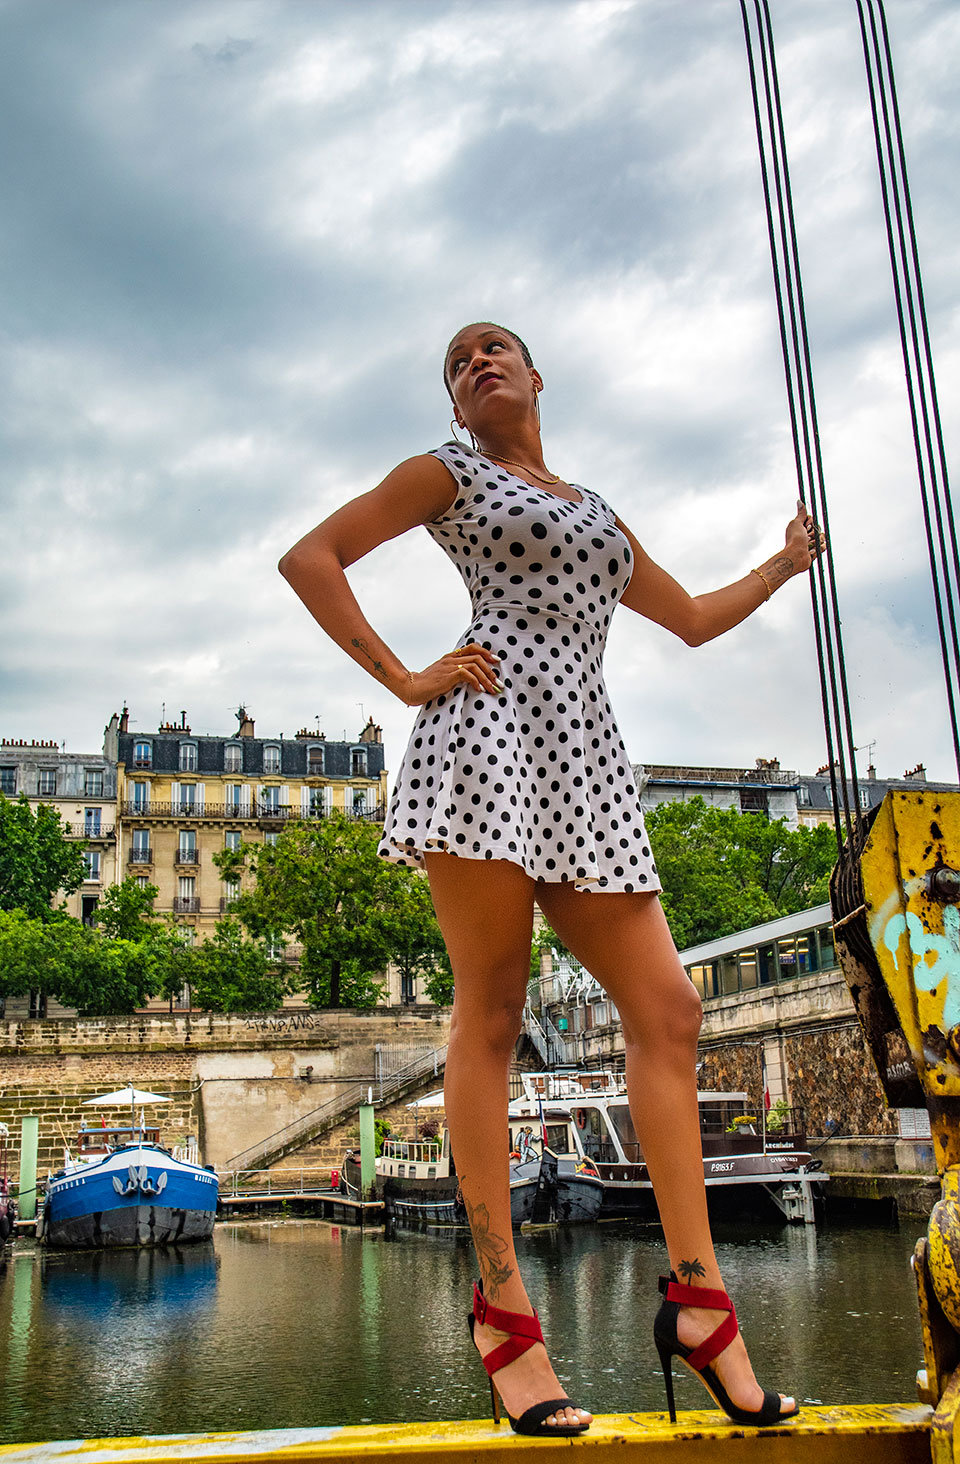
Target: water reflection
{"points": [[304, 1323]]}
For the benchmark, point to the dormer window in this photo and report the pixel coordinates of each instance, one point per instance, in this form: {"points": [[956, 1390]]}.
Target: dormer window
{"points": [[188, 757], [142, 755], [233, 758], [358, 762], [271, 759], [315, 760]]}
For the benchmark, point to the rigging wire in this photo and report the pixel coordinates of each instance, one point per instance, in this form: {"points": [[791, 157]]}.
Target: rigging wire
{"points": [[798, 373], [915, 346]]}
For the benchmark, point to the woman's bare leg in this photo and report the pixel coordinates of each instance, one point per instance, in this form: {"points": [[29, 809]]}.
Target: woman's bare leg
{"points": [[485, 911], [624, 941]]}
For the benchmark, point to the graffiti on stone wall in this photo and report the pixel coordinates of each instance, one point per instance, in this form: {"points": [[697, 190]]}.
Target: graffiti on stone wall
{"points": [[295, 1022]]}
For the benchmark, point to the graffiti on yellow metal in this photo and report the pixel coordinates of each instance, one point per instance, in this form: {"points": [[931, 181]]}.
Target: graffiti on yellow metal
{"points": [[915, 936], [929, 975]]}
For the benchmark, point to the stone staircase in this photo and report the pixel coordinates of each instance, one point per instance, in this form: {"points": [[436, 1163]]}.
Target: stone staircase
{"points": [[303, 1134]]}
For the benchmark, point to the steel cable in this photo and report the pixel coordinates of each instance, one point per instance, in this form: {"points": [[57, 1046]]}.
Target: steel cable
{"points": [[798, 373], [917, 356]]}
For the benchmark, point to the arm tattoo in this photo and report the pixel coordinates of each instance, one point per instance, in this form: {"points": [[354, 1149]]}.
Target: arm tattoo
{"points": [[692, 1268], [377, 666], [781, 568], [490, 1250]]}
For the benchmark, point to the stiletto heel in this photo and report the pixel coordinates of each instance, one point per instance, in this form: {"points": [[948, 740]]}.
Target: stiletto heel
{"points": [[524, 1333], [698, 1359], [666, 1360]]}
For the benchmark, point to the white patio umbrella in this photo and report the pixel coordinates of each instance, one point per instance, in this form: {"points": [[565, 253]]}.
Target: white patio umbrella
{"points": [[130, 1095], [431, 1100]]}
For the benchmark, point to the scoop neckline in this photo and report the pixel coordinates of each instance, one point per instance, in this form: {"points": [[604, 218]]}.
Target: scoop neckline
{"points": [[499, 467]]}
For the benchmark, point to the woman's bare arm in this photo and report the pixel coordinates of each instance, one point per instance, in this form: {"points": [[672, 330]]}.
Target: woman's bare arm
{"points": [[698, 618], [417, 491]]}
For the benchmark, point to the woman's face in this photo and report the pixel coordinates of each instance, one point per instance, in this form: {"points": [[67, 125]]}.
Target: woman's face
{"points": [[488, 377]]}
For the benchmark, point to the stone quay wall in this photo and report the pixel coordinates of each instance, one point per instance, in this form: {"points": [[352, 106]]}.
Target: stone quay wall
{"points": [[234, 1079]]}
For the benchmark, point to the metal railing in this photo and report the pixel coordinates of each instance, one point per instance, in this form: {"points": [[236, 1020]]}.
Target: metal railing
{"points": [[245, 812], [186, 856], [140, 856], [327, 1114], [186, 905], [272, 1182]]}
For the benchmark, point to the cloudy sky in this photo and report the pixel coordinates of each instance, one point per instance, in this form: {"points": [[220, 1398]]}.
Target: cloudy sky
{"points": [[236, 236]]}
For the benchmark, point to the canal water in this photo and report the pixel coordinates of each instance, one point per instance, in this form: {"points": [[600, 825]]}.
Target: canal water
{"points": [[295, 1323]]}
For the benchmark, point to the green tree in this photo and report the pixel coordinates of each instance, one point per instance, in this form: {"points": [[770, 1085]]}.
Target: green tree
{"points": [[126, 911], [324, 883], [36, 858], [723, 871], [417, 945], [232, 973], [80, 967]]}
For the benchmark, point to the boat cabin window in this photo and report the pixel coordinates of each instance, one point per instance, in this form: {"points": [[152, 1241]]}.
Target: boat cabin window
{"points": [[625, 1131], [558, 1138], [594, 1136]]}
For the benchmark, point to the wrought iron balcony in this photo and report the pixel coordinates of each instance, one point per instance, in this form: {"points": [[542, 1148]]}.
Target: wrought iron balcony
{"points": [[186, 905], [140, 856], [254, 812], [186, 856], [102, 831], [227, 902]]}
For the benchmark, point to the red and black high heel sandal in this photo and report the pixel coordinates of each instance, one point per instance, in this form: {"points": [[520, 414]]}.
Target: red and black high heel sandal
{"points": [[698, 1359], [525, 1333]]}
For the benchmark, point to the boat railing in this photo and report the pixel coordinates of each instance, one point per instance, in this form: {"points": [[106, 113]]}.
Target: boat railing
{"points": [[424, 1151], [279, 1182], [572, 1085]]}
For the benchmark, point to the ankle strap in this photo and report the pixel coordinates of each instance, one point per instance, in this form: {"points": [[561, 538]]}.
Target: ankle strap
{"points": [[675, 1290], [721, 1336], [518, 1324]]}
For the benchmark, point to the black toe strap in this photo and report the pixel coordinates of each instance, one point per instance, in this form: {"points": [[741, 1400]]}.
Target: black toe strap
{"points": [[770, 1411], [534, 1420]]}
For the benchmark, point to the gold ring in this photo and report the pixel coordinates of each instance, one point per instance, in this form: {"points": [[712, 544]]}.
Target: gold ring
{"points": [[459, 667]]}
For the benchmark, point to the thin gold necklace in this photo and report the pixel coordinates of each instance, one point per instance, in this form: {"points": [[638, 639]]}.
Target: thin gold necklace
{"points": [[550, 478]]}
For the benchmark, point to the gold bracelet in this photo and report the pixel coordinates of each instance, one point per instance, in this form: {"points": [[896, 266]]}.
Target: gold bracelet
{"points": [[763, 580]]}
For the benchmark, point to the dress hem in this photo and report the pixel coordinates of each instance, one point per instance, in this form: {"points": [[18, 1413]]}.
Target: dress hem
{"points": [[397, 852]]}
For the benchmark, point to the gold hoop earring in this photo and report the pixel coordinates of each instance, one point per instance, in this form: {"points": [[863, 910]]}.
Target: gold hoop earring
{"points": [[473, 441]]}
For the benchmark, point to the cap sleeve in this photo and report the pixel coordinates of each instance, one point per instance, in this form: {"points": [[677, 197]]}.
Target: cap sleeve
{"points": [[464, 467]]}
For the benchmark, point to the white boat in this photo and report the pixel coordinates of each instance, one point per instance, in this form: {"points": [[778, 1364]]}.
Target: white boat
{"points": [[746, 1164], [120, 1187]]}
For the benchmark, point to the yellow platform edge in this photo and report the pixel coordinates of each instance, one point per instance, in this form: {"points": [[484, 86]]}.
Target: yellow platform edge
{"points": [[895, 1433]]}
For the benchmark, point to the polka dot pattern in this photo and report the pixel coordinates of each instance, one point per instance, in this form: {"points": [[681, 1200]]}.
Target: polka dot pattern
{"points": [[538, 775]]}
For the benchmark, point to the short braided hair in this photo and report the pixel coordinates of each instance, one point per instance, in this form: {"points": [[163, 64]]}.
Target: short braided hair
{"points": [[524, 349]]}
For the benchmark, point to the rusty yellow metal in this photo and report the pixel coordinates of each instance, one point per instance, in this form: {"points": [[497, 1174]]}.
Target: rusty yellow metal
{"points": [[943, 1255], [895, 1434], [916, 936]]}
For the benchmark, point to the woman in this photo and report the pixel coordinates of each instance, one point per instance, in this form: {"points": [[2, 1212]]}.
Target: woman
{"points": [[516, 788]]}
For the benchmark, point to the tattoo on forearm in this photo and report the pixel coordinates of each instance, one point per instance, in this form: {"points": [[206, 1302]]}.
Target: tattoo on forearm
{"points": [[490, 1248], [781, 568], [377, 666], [691, 1268]]}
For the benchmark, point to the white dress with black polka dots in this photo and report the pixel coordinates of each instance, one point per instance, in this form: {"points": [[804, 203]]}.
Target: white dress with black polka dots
{"points": [[538, 775]]}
